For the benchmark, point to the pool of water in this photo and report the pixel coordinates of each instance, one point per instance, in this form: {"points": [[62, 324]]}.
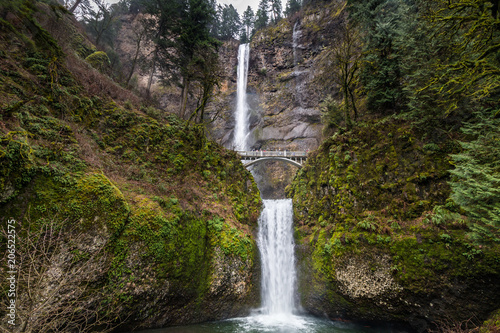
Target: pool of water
{"points": [[277, 315], [273, 324]]}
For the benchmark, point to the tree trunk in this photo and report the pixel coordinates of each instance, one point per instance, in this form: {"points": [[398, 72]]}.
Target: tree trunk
{"points": [[134, 62], [75, 5], [185, 87], [150, 81]]}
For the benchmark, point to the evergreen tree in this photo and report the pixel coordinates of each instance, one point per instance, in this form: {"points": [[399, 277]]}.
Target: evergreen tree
{"points": [[275, 8], [248, 21], [244, 38], [230, 23], [193, 40], [382, 74], [184, 46], [421, 50], [262, 17], [476, 177], [292, 6], [214, 26]]}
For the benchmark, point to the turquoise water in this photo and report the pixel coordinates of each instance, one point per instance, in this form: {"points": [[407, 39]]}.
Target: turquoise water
{"points": [[272, 324]]}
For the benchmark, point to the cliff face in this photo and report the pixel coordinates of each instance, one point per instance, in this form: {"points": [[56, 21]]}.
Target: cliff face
{"points": [[377, 239], [284, 89], [124, 216], [283, 71]]}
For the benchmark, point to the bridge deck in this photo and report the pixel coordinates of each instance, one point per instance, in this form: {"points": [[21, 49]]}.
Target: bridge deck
{"points": [[294, 157], [273, 153]]}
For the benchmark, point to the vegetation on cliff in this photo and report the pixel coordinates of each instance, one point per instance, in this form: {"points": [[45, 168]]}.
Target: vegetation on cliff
{"points": [[399, 206], [124, 214]]}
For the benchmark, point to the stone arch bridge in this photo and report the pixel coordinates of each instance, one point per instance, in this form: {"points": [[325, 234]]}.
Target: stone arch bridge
{"points": [[296, 158]]}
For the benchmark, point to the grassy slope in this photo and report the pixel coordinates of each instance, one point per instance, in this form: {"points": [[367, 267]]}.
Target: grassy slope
{"points": [[76, 149]]}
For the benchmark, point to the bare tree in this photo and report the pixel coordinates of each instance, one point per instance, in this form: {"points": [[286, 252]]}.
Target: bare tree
{"points": [[343, 59], [59, 266], [99, 18], [138, 37]]}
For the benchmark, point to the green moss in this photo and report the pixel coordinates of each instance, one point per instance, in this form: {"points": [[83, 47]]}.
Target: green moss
{"points": [[90, 200], [376, 192], [100, 61], [161, 215], [393, 176], [232, 241], [492, 324], [81, 45]]}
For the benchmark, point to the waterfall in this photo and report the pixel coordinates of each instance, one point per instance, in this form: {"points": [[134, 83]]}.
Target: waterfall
{"points": [[276, 246], [241, 114], [295, 36]]}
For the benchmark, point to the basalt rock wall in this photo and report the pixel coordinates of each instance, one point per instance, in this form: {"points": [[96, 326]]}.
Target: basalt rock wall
{"points": [[284, 90]]}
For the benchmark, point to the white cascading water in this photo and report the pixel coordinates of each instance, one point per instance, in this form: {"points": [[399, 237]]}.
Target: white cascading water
{"points": [[275, 237], [296, 34], [276, 247], [241, 113]]}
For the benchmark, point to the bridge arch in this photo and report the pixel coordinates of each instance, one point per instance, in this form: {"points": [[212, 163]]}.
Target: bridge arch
{"points": [[273, 158]]}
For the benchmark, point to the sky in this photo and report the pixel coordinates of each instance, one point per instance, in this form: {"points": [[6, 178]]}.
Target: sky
{"points": [[241, 5]]}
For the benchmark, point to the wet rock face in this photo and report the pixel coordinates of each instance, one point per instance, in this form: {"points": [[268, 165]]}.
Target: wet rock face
{"points": [[283, 93], [283, 96]]}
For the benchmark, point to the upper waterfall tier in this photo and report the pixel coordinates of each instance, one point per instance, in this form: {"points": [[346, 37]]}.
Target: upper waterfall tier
{"points": [[241, 113]]}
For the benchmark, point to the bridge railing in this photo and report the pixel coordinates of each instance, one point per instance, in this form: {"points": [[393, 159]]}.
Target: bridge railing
{"points": [[272, 153]]}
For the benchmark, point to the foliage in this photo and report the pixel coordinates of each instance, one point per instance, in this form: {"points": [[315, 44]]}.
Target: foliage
{"points": [[138, 185], [262, 17], [492, 324], [343, 59], [100, 61], [183, 44], [332, 115], [351, 175], [229, 24], [275, 9], [292, 6], [381, 74], [248, 21], [476, 182], [469, 32]]}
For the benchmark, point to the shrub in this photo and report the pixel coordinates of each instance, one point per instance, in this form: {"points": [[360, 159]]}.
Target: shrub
{"points": [[100, 61]]}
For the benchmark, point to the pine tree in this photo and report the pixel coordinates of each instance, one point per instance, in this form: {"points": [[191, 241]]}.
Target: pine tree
{"points": [[292, 6], [381, 74], [184, 46], [230, 23], [476, 177], [248, 21], [275, 10], [262, 17]]}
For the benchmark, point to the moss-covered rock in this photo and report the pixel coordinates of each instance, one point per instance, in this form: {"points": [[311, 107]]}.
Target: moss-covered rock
{"points": [[132, 220], [100, 61], [378, 238]]}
